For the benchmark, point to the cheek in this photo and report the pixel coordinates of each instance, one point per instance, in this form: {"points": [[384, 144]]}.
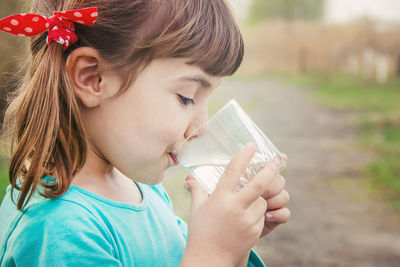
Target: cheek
{"points": [[161, 119], [164, 129], [153, 127], [147, 158], [136, 131]]}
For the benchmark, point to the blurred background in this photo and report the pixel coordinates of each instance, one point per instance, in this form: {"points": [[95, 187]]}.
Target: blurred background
{"points": [[322, 79]]}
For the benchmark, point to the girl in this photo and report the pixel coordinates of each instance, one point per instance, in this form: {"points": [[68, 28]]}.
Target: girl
{"points": [[93, 125]]}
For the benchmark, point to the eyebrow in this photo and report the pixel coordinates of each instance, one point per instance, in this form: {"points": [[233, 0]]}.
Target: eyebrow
{"points": [[198, 79]]}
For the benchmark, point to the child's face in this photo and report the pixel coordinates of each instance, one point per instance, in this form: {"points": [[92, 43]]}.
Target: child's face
{"points": [[137, 130]]}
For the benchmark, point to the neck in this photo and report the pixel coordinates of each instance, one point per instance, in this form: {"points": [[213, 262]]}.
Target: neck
{"points": [[96, 169], [100, 177]]}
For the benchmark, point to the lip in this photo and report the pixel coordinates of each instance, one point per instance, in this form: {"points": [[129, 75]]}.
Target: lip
{"points": [[174, 158]]}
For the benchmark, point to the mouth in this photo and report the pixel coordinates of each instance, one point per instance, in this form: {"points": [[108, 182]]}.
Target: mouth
{"points": [[174, 158]]}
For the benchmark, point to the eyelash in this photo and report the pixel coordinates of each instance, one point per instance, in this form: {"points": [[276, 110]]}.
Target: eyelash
{"points": [[186, 101]]}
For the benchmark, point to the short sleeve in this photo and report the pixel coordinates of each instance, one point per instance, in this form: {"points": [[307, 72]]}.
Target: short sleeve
{"points": [[72, 237], [164, 195], [183, 226], [254, 260]]}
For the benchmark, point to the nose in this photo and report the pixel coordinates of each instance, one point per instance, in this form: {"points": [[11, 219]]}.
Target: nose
{"points": [[198, 125]]}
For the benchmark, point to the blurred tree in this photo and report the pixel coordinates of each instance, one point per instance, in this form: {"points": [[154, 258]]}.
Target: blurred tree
{"points": [[286, 9], [10, 47], [398, 65]]}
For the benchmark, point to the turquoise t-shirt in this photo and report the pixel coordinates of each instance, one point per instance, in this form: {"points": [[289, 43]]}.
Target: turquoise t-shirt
{"points": [[81, 228]]}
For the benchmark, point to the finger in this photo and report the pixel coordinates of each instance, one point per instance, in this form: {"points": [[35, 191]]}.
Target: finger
{"points": [[198, 193], [256, 211], [260, 225], [284, 156], [256, 187], [275, 188], [236, 167], [259, 207], [279, 201], [278, 216]]}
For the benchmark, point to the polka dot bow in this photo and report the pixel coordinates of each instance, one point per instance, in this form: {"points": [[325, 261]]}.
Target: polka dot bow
{"points": [[60, 26]]}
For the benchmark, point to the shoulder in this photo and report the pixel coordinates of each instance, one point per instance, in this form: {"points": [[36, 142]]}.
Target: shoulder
{"points": [[61, 211], [60, 228], [68, 213], [59, 218]]}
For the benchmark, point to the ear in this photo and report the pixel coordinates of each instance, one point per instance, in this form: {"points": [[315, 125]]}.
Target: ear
{"points": [[83, 69]]}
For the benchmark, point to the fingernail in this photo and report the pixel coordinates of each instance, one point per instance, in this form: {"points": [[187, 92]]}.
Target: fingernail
{"points": [[186, 187], [189, 178], [268, 216]]}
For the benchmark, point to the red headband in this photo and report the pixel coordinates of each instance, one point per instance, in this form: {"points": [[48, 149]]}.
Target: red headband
{"points": [[60, 26]]}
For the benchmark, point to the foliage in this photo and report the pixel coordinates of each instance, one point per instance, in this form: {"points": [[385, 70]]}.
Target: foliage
{"points": [[10, 47], [286, 9], [4, 182], [380, 127], [343, 91], [384, 136]]}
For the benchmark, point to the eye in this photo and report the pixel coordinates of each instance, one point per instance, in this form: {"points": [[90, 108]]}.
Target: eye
{"points": [[185, 100]]}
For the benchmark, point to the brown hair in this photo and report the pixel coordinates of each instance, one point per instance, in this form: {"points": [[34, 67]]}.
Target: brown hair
{"points": [[44, 121]]}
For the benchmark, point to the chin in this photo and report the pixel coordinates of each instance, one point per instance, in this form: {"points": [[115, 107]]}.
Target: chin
{"points": [[152, 178], [149, 177]]}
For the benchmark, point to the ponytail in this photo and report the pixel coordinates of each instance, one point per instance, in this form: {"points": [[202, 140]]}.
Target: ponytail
{"points": [[47, 137]]}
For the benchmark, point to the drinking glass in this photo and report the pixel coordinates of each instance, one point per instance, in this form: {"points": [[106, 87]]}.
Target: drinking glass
{"points": [[207, 156]]}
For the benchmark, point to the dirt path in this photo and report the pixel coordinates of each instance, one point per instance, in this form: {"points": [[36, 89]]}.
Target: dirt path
{"points": [[334, 221]]}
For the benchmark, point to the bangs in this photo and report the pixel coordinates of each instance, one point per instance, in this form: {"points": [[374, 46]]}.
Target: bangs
{"points": [[203, 31]]}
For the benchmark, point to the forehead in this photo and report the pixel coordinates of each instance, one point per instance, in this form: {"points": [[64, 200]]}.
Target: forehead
{"points": [[178, 70]]}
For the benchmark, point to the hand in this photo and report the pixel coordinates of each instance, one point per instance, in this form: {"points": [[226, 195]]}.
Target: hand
{"points": [[277, 198], [227, 224]]}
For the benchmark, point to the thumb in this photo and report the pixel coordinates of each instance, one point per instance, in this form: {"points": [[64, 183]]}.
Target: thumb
{"points": [[199, 194]]}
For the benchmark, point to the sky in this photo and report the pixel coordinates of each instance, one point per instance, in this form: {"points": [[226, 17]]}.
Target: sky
{"points": [[345, 10], [338, 11]]}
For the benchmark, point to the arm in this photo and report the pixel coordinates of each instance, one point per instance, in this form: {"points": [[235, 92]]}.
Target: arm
{"points": [[244, 261], [193, 259], [225, 226]]}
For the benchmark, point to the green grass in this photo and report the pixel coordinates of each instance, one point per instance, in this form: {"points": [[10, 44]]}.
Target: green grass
{"points": [[380, 127], [342, 91], [384, 136], [4, 182]]}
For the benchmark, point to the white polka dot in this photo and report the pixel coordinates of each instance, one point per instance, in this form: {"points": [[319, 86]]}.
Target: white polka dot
{"points": [[68, 37], [23, 14], [47, 25], [94, 14], [21, 34], [54, 28], [80, 21], [63, 12], [28, 29], [94, 21], [67, 43], [7, 29], [78, 14], [14, 22], [35, 19]]}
